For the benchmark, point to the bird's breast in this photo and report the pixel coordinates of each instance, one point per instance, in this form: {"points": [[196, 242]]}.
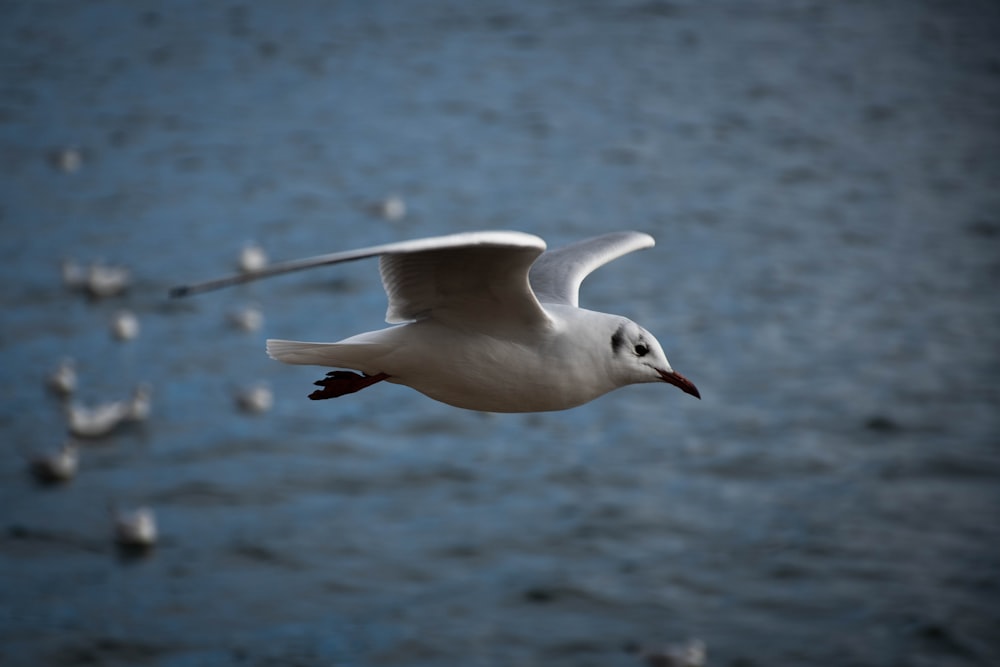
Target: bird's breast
{"points": [[493, 374]]}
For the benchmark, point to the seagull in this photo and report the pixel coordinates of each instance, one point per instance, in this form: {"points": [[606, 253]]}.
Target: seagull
{"points": [[57, 466], [256, 399], [140, 404], [124, 325], [68, 159], [248, 318], [486, 321], [98, 420], [252, 258], [74, 275], [691, 654], [104, 280], [62, 381], [392, 208], [135, 528]]}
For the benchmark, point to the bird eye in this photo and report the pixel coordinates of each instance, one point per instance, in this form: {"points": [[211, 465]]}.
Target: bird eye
{"points": [[641, 349]]}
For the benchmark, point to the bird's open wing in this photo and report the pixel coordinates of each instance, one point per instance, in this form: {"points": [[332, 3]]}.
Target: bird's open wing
{"points": [[557, 274], [471, 279]]}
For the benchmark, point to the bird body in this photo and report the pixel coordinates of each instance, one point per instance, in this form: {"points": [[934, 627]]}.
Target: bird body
{"points": [[58, 466], [247, 319], [486, 321], [63, 380], [105, 280], [124, 325], [98, 279], [561, 365], [74, 275], [252, 258], [140, 404], [135, 528], [256, 399], [96, 421], [99, 420]]}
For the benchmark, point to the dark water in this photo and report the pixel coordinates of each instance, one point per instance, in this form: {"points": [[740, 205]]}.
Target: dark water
{"points": [[822, 180]]}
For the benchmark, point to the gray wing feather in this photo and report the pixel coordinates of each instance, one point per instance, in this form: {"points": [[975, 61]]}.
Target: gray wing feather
{"points": [[557, 274], [481, 285], [404, 283]]}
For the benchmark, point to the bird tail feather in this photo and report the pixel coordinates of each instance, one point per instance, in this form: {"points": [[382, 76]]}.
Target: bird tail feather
{"points": [[357, 356]]}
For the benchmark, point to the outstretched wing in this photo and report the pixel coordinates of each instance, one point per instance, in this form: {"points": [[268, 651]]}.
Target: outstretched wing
{"points": [[557, 274], [472, 279], [475, 280]]}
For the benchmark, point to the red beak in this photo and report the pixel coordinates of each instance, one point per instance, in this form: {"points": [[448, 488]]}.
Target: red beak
{"points": [[679, 381]]}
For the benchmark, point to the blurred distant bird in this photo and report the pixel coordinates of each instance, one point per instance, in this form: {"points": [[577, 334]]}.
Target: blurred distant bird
{"points": [[68, 159], [489, 321], [140, 404], [98, 279], [135, 528], [62, 381], [255, 399], [102, 419], [104, 280], [691, 654], [252, 258], [95, 421], [57, 466], [74, 275], [249, 318], [124, 325], [392, 208]]}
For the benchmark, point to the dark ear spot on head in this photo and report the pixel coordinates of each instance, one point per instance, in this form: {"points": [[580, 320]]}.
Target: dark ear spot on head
{"points": [[618, 339]]}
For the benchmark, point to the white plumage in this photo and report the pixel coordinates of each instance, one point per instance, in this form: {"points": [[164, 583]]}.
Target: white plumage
{"points": [[486, 321], [63, 380]]}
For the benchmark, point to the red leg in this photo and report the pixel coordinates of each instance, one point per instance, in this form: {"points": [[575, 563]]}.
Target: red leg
{"points": [[338, 383]]}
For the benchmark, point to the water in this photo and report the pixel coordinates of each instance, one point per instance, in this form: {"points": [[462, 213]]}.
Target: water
{"points": [[821, 180]]}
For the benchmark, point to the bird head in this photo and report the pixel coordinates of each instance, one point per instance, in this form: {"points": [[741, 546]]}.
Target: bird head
{"points": [[638, 357]]}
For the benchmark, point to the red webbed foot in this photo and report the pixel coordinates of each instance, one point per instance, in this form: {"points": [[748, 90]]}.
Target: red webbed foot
{"points": [[338, 383]]}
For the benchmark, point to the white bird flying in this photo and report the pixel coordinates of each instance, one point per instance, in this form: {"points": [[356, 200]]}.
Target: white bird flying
{"points": [[485, 321]]}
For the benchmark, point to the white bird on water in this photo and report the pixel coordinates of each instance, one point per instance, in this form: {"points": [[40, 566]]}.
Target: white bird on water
{"points": [[124, 325], [253, 258], [135, 528], [95, 421], [486, 321], [248, 318], [62, 381], [392, 208], [101, 419], [140, 405], [104, 280], [74, 275], [256, 399], [98, 279], [57, 466]]}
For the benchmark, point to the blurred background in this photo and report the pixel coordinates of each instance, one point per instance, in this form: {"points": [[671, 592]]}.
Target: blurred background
{"points": [[822, 179]]}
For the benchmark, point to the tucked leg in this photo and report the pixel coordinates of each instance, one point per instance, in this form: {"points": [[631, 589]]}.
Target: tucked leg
{"points": [[338, 383]]}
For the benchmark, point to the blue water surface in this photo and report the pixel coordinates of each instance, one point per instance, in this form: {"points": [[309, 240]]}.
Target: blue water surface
{"points": [[821, 179]]}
